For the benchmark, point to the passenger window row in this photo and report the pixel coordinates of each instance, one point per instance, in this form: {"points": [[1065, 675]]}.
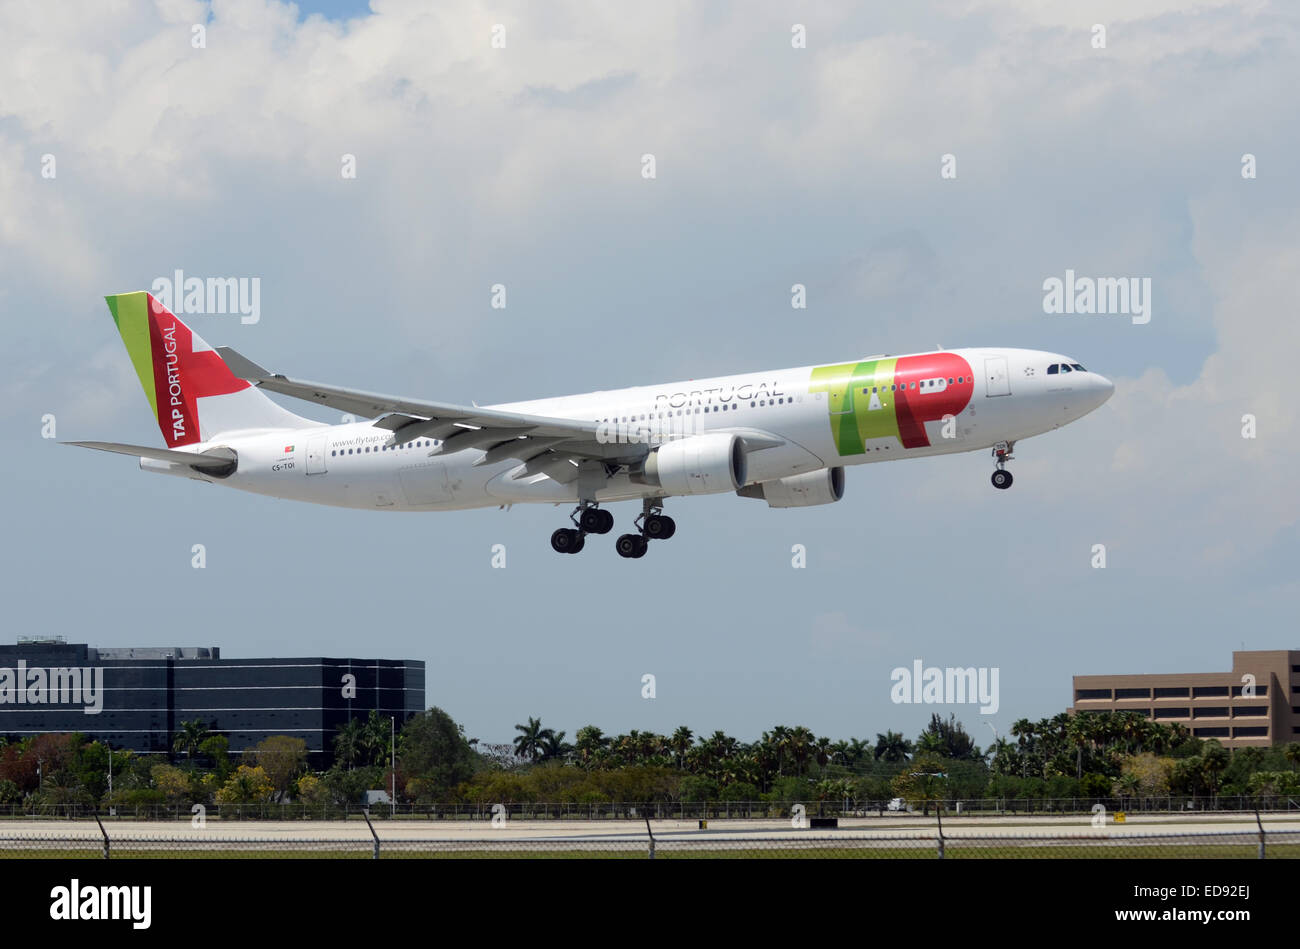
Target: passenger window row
{"points": [[925, 384], [418, 443], [731, 406]]}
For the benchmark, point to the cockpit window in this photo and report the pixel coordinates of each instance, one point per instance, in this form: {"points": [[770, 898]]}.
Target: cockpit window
{"points": [[1053, 369], [1078, 367], [1065, 367]]}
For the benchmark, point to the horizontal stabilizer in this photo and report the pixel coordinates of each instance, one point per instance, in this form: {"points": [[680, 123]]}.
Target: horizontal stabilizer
{"points": [[214, 460]]}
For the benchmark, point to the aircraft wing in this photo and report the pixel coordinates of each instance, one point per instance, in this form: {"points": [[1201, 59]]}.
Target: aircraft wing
{"points": [[548, 445]]}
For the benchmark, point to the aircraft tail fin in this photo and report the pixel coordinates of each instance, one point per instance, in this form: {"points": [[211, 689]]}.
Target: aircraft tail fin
{"points": [[192, 392]]}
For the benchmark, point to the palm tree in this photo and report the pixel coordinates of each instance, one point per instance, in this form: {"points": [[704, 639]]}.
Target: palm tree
{"points": [[1077, 734], [1127, 785], [826, 789], [1056, 731], [765, 763], [823, 751], [190, 736], [855, 750], [554, 746], [528, 743], [801, 747], [590, 745], [1291, 752], [348, 743], [376, 736], [681, 742], [1023, 729], [1004, 757], [892, 747], [716, 756], [780, 742], [931, 742]]}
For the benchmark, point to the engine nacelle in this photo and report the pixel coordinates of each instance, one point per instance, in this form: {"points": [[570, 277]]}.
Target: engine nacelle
{"points": [[823, 486], [700, 464]]}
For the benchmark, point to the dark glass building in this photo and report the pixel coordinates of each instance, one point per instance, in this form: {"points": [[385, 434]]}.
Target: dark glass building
{"points": [[137, 698]]}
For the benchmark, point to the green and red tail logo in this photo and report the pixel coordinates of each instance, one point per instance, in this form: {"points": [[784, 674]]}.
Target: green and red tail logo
{"points": [[176, 367]]}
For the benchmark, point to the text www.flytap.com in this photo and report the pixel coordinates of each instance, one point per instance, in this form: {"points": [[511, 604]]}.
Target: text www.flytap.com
{"points": [[1174, 914]]}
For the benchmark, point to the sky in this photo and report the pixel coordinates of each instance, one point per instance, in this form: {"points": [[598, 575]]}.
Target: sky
{"points": [[774, 165]]}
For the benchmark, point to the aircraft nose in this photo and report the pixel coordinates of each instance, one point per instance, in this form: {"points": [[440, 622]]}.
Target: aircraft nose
{"points": [[1105, 388]]}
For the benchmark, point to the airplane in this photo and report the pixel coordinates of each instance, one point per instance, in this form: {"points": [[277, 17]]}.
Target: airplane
{"points": [[784, 436]]}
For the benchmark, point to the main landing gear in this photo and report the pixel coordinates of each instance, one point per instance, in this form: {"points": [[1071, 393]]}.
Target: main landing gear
{"points": [[1002, 453], [652, 524], [588, 519]]}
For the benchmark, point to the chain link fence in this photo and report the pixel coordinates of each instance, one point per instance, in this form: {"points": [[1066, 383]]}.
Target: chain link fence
{"points": [[675, 810], [97, 841]]}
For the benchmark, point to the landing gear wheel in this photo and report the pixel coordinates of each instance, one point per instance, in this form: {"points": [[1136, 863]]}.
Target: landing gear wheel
{"points": [[595, 521], [1002, 479], [566, 541], [582, 540], [631, 545], [659, 527]]}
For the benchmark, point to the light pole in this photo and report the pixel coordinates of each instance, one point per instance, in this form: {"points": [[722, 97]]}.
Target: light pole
{"points": [[112, 811], [392, 783], [995, 737]]}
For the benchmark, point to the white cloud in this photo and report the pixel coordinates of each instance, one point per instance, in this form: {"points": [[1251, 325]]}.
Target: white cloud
{"points": [[467, 154]]}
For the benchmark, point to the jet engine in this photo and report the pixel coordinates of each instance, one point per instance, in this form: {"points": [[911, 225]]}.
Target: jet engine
{"points": [[823, 486], [700, 464]]}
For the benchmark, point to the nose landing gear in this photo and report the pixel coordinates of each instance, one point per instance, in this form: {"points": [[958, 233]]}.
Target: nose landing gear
{"points": [[1002, 454]]}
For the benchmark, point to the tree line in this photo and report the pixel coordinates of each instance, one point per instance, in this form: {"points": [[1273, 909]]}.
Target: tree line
{"points": [[1098, 755]]}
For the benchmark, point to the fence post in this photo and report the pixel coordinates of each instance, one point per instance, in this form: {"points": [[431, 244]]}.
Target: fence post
{"points": [[104, 832], [651, 835], [1260, 824], [366, 814], [938, 813]]}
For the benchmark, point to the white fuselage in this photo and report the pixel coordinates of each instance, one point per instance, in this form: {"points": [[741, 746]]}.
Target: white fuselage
{"points": [[1009, 396]]}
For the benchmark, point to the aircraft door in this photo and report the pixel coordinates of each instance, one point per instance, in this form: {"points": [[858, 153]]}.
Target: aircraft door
{"points": [[996, 380], [316, 454], [841, 399]]}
